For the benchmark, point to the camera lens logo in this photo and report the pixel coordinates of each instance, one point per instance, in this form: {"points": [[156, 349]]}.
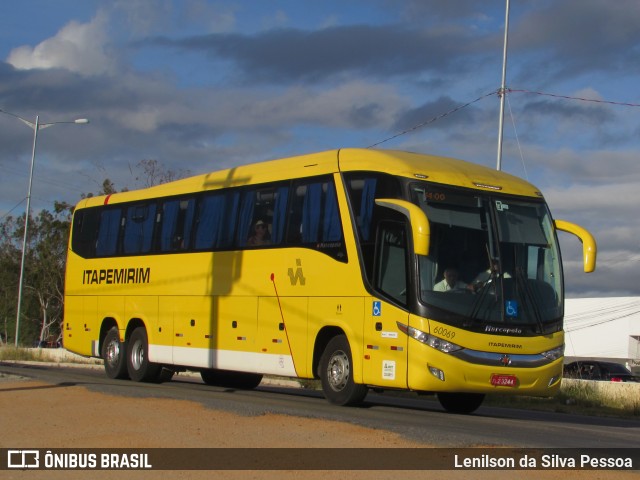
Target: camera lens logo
{"points": [[23, 459]]}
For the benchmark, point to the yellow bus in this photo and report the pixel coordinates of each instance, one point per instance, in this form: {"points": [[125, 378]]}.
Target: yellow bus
{"points": [[361, 268]]}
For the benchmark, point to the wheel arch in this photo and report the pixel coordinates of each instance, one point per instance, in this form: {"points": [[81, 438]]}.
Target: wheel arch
{"points": [[107, 324], [323, 337], [132, 325]]}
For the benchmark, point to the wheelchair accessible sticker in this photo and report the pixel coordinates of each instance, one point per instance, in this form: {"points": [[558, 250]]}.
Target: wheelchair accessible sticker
{"points": [[377, 309], [511, 308]]}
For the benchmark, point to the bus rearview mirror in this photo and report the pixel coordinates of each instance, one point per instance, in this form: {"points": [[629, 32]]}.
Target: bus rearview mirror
{"points": [[589, 247], [420, 230]]}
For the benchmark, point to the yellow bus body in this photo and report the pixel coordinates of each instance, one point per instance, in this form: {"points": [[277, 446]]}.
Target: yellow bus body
{"points": [[270, 311]]}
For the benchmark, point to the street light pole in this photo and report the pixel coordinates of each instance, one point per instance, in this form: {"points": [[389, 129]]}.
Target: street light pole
{"points": [[36, 127]]}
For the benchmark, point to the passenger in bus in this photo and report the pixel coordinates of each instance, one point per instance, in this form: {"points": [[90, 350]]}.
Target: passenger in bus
{"points": [[260, 235], [451, 282]]}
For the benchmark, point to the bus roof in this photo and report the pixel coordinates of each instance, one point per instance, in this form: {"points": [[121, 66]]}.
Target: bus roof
{"points": [[436, 169], [447, 171]]}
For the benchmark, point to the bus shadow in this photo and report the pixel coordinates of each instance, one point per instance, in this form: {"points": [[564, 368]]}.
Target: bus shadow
{"points": [[39, 387], [429, 404]]}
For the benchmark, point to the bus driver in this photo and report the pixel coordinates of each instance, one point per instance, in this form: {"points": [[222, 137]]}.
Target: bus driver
{"points": [[450, 282]]}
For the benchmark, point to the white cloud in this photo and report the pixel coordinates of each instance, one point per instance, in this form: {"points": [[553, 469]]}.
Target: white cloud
{"points": [[349, 105], [143, 17], [608, 200], [277, 19], [588, 93], [77, 47]]}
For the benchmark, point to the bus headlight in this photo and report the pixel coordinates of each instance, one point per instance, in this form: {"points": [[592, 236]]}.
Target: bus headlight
{"points": [[554, 353], [434, 342]]}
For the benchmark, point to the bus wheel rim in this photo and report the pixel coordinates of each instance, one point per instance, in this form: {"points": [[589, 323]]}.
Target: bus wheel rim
{"points": [[137, 355], [113, 353], [338, 371]]}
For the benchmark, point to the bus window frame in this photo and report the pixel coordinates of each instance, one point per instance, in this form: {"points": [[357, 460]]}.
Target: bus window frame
{"points": [[334, 249]]}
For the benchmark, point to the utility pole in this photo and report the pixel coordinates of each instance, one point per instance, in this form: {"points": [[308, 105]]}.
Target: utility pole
{"points": [[503, 92]]}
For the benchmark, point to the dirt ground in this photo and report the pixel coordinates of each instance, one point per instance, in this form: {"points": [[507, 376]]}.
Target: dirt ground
{"points": [[36, 415]]}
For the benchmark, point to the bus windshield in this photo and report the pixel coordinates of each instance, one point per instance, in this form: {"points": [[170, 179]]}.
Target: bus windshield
{"points": [[493, 260]]}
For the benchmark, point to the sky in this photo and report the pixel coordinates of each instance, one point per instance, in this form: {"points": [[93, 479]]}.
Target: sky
{"points": [[201, 85]]}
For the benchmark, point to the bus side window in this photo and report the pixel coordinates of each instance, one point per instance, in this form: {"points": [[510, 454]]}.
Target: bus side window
{"points": [[311, 213], [279, 219], [138, 228], [246, 222], [266, 207], [391, 261], [363, 188], [108, 232], [85, 232], [216, 220], [314, 215], [176, 223]]}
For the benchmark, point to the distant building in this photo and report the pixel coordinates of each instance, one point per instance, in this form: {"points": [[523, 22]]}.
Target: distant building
{"points": [[605, 328]]}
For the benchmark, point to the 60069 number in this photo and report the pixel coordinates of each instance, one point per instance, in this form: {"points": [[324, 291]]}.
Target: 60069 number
{"points": [[444, 332]]}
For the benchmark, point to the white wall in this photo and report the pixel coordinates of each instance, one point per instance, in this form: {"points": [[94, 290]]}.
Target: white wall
{"points": [[602, 327]]}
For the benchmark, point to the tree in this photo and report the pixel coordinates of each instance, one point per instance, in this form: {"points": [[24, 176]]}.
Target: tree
{"points": [[9, 273], [48, 255], [108, 188], [153, 173], [43, 294], [42, 300]]}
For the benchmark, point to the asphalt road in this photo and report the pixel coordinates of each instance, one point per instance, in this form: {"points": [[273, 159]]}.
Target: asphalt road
{"points": [[417, 419]]}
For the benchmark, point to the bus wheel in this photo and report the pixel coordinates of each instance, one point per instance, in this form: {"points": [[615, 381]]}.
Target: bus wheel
{"points": [[114, 355], [229, 379], [463, 403], [336, 374], [138, 364]]}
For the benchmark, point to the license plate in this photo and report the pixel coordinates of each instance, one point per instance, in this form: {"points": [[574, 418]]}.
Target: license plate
{"points": [[504, 380]]}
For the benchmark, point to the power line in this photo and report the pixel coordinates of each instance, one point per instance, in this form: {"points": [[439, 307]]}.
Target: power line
{"points": [[16, 206], [568, 97], [515, 130], [498, 92], [602, 322], [434, 119], [600, 315], [57, 183]]}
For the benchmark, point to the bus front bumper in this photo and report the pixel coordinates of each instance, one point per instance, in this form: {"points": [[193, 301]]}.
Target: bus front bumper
{"points": [[482, 372]]}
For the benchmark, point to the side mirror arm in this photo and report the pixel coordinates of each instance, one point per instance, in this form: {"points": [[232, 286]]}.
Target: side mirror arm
{"points": [[589, 247], [420, 229]]}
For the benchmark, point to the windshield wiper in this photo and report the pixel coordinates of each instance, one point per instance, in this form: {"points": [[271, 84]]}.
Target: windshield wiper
{"points": [[522, 281], [485, 289]]}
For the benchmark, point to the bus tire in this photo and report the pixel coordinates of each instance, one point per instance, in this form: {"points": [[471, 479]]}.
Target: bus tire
{"points": [[336, 374], [114, 355], [230, 379], [463, 403], [138, 365]]}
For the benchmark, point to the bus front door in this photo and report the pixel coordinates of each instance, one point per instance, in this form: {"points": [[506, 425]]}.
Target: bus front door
{"points": [[385, 347]]}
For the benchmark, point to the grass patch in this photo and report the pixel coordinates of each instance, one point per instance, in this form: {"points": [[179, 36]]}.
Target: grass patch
{"points": [[310, 384], [55, 355], [581, 397], [22, 354]]}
